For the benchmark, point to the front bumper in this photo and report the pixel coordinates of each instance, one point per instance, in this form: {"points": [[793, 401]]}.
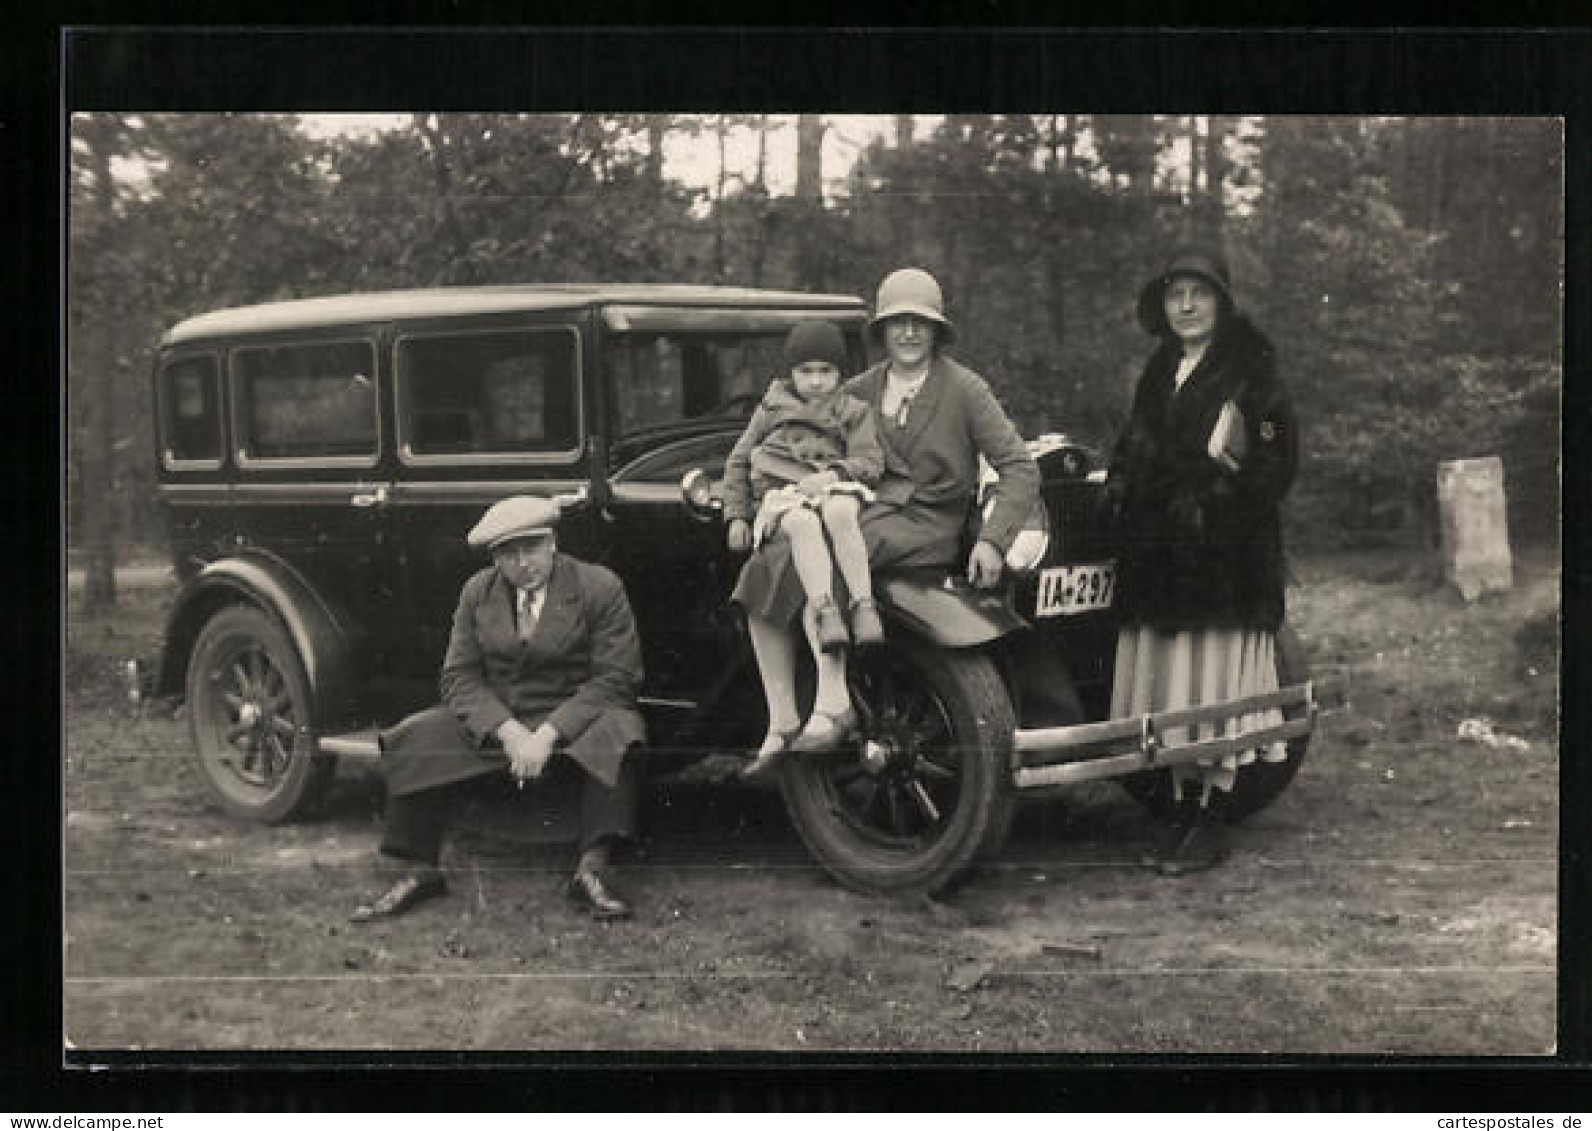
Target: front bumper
{"points": [[1067, 755]]}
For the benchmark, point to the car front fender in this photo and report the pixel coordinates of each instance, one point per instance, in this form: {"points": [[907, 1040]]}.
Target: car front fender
{"points": [[316, 629], [947, 611]]}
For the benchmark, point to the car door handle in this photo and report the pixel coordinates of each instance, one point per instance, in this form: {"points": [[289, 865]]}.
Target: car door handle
{"points": [[369, 498], [565, 500]]}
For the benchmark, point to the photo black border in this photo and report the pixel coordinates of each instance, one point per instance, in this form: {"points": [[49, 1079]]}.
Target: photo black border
{"points": [[87, 63]]}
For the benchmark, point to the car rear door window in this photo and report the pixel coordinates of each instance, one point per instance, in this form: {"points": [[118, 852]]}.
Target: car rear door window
{"points": [[488, 395], [310, 402], [190, 412]]}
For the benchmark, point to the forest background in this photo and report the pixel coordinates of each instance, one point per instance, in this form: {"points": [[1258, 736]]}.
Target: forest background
{"points": [[1409, 269]]}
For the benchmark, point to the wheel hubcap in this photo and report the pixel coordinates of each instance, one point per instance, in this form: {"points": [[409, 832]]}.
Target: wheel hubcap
{"points": [[253, 714], [902, 783]]}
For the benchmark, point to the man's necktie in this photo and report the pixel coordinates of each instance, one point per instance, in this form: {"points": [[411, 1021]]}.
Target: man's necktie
{"points": [[527, 613]]}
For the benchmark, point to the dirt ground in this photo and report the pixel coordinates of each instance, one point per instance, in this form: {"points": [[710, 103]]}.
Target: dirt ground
{"points": [[1399, 898]]}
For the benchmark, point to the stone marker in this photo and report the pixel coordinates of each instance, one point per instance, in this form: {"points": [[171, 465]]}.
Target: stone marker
{"points": [[1475, 527]]}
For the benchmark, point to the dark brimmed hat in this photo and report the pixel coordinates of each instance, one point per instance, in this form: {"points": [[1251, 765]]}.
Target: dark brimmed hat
{"points": [[1201, 261], [521, 516], [815, 341], [912, 290]]}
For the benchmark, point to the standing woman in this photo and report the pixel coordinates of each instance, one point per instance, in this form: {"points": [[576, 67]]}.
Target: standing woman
{"points": [[1194, 488], [934, 419]]}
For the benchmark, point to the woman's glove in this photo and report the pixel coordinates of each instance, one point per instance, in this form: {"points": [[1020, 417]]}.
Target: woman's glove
{"points": [[1109, 504], [1186, 516], [739, 536]]}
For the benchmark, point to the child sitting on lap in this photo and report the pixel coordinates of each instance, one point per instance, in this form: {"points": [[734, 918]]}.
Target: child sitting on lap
{"points": [[801, 471]]}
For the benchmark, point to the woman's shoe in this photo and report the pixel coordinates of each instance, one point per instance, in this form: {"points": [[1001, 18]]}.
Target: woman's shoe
{"points": [[768, 755], [1199, 844], [832, 634], [867, 631], [825, 731]]}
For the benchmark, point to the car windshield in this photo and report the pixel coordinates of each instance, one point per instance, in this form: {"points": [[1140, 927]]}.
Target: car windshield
{"points": [[663, 379]]}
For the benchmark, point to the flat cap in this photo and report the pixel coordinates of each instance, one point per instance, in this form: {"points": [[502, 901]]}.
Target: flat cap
{"points": [[519, 516]]}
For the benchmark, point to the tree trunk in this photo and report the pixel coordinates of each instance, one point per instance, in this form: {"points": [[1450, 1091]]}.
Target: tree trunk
{"points": [[654, 167], [903, 132], [97, 521], [442, 175], [1215, 178], [721, 130], [809, 158]]}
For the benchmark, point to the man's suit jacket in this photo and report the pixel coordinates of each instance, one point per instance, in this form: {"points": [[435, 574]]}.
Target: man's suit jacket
{"points": [[579, 671]]}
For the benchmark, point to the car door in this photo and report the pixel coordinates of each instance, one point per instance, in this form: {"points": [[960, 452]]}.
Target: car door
{"points": [[482, 411], [312, 476]]}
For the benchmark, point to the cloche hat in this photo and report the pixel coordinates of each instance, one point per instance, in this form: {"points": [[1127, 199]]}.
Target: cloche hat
{"points": [[1201, 261], [520, 516], [912, 290]]}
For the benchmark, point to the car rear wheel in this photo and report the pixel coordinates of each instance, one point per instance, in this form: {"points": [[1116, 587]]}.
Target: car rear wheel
{"points": [[924, 789], [250, 712], [1259, 783]]}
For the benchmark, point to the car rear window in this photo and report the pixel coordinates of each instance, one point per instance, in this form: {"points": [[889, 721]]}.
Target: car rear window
{"points": [[488, 393], [190, 402], [312, 401]]}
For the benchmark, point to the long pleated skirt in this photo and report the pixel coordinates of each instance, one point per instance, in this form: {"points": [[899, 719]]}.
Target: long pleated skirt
{"points": [[1162, 671]]}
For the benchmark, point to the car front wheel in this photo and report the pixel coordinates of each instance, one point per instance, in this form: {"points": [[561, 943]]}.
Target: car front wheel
{"points": [[250, 712], [924, 789]]}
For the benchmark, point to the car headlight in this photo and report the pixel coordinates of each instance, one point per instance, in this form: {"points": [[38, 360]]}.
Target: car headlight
{"points": [[1027, 551], [697, 492]]}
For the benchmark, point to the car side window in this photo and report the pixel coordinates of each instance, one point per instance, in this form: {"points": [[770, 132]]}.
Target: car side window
{"points": [[190, 411], [312, 401], [671, 378], [488, 393]]}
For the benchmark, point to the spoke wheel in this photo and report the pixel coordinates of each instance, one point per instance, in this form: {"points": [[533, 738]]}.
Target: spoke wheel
{"points": [[250, 713], [1259, 783], [924, 788]]}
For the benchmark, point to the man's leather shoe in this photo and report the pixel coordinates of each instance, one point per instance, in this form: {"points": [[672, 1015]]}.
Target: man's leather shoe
{"points": [[588, 890], [411, 889]]}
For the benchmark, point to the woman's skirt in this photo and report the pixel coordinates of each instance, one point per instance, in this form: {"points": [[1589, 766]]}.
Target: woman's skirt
{"points": [[897, 537], [1165, 671]]}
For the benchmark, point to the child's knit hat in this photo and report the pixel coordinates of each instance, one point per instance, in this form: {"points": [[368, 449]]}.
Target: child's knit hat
{"points": [[815, 341]]}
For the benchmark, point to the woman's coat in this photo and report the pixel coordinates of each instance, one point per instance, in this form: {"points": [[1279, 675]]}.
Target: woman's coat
{"points": [[1200, 547]]}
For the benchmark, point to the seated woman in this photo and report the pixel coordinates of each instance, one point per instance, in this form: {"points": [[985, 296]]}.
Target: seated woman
{"points": [[934, 418]]}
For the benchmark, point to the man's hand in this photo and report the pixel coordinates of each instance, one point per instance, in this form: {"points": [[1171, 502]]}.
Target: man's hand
{"points": [[813, 485], [984, 566], [739, 536], [528, 750]]}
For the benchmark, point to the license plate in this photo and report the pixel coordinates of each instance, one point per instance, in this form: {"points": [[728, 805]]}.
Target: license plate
{"points": [[1067, 590]]}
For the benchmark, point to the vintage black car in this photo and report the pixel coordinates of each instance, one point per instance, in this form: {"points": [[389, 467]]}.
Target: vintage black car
{"points": [[320, 461]]}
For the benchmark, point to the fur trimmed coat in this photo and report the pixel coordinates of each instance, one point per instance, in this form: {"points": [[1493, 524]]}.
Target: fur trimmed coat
{"points": [[1199, 546]]}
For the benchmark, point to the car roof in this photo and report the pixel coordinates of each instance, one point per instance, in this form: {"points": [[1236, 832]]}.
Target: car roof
{"points": [[444, 302]]}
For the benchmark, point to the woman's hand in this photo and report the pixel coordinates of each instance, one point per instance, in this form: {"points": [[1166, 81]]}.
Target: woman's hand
{"points": [[1186, 515], [528, 750], [739, 536], [984, 566]]}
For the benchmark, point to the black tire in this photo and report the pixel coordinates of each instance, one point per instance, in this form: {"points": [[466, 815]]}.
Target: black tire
{"points": [[250, 712], [934, 796], [1259, 783]]}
